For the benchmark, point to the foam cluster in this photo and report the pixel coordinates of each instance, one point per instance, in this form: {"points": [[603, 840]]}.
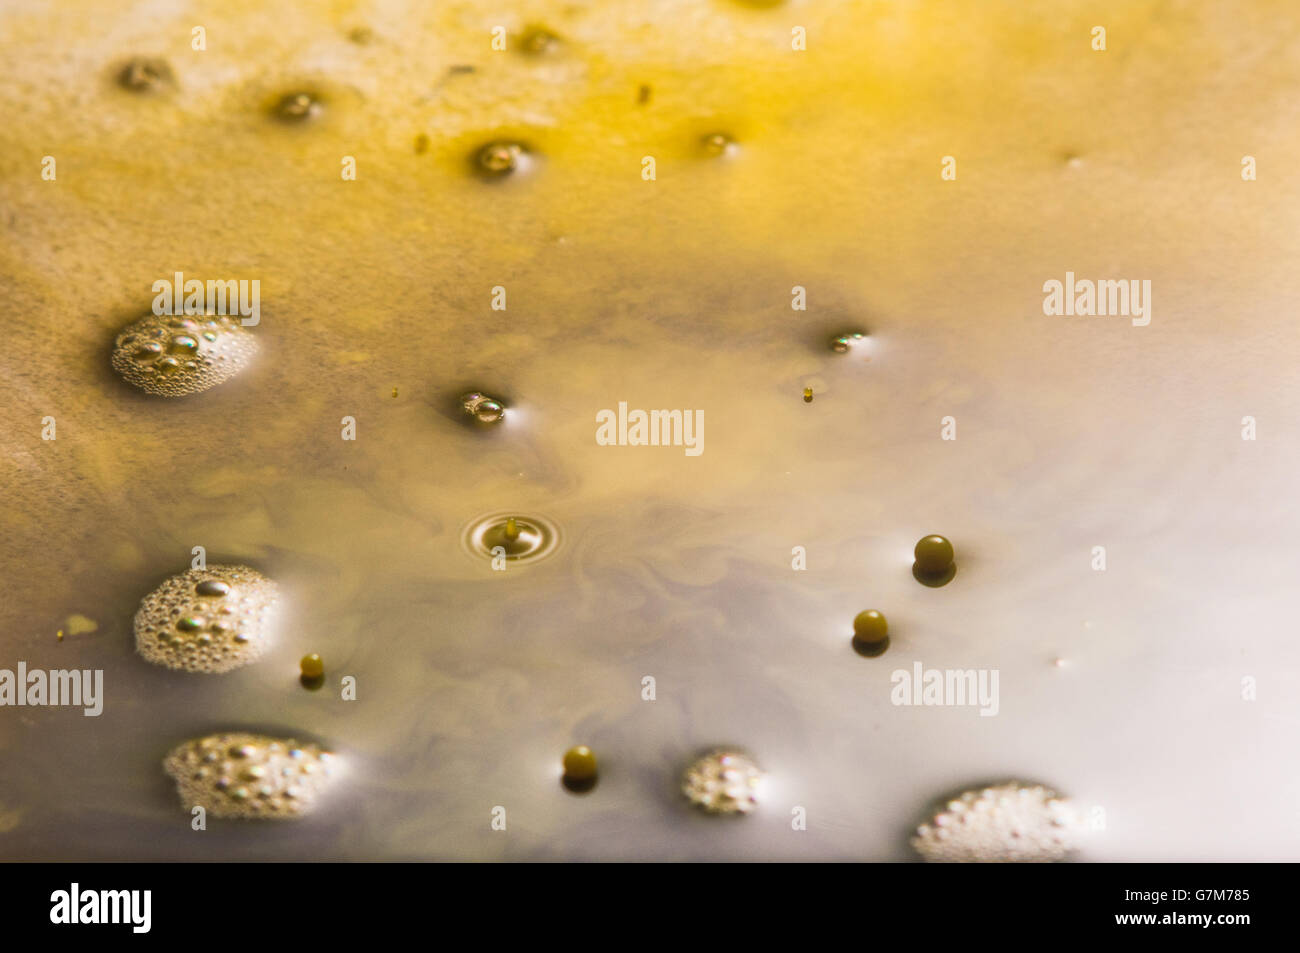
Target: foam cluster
{"points": [[1007, 823], [177, 356], [723, 782], [250, 776], [208, 620]]}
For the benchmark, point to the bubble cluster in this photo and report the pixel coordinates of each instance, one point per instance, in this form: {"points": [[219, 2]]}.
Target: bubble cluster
{"points": [[145, 75], [208, 620], [483, 408], [250, 776], [723, 782], [178, 356], [1010, 822]]}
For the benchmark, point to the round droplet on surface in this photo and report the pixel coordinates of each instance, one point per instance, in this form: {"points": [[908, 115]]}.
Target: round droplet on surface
{"points": [[298, 107], [484, 409], [145, 75], [579, 769], [717, 144], [312, 666], [870, 626], [723, 781], [807, 395], [499, 158], [934, 556]]}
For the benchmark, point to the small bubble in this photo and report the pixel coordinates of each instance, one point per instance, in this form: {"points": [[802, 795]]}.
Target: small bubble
{"points": [[145, 75], [807, 395], [718, 144], [361, 35], [189, 624], [298, 107], [537, 40], [212, 587], [500, 158], [934, 566], [183, 344], [482, 408]]}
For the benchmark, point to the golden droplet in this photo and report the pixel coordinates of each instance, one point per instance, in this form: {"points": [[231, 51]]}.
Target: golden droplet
{"points": [[512, 529], [807, 395]]}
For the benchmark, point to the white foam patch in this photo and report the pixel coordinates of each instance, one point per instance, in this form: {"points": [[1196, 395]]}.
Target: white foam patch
{"points": [[723, 782], [1009, 822], [208, 620], [249, 776]]}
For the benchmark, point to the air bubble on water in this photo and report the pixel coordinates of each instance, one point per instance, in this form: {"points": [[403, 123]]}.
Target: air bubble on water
{"points": [[219, 347], [843, 343], [718, 144], [145, 74], [483, 408], [500, 158], [298, 107], [537, 40], [1010, 822], [281, 777], [723, 781], [246, 600]]}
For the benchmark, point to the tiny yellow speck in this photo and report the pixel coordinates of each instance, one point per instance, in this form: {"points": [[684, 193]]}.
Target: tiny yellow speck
{"points": [[807, 395], [60, 635]]}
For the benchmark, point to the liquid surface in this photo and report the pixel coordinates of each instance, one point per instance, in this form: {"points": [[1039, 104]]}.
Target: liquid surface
{"points": [[376, 300]]}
